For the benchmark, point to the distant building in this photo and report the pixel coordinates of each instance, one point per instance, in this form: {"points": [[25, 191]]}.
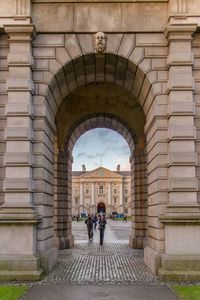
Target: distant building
{"points": [[101, 190]]}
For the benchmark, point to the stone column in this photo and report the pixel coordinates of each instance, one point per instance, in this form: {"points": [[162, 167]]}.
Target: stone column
{"points": [[138, 199], [110, 194], [93, 198], [181, 217], [109, 206], [121, 193], [93, 193], [18, 216], [63, 208], [82, 197]]}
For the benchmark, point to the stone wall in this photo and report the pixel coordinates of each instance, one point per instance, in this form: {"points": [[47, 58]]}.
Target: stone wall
{"points": [[53, 80]]}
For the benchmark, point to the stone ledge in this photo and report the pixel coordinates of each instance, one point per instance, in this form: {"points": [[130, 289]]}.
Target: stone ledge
{"points": [[178, 275], [19, 267], [20, 275], [184, 214]]}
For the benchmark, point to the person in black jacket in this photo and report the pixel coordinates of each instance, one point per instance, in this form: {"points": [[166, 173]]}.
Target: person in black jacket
{"points": [[102, 226], [89, 222]]}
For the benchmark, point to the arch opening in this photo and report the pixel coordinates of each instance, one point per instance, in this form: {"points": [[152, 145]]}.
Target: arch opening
{"points": [[63, 190], [81, 95]]}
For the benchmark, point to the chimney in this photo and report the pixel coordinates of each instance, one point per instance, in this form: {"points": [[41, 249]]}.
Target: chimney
{"points": [[83, 168], [118, 168]]}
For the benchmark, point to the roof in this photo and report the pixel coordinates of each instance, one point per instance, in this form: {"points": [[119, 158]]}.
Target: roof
{"points": [[124, 173], [81, 173]]}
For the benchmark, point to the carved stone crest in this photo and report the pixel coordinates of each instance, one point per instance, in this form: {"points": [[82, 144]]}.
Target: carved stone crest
{"points": [[100, 42]]}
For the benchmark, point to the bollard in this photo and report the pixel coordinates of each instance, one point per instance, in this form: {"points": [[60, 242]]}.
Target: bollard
{"points": [[101, 234]]}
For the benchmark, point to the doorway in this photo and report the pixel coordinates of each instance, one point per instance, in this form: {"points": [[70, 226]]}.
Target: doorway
{"points": [[101, 207]]}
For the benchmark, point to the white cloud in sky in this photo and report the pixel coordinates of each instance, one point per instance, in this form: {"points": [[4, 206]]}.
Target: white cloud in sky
{"points": [[98, 143]]}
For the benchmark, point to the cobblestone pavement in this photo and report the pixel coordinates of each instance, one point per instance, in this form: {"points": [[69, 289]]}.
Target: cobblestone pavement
{"points": [[88, 262], [95, 264]]}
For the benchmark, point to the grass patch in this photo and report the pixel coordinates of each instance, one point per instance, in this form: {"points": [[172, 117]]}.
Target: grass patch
{"points": [[12, 292], [188, 292]]}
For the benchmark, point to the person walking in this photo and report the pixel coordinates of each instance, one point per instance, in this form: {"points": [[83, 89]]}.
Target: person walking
{"points": [[89, 222], [95, 221], [125, 218], [102, 227]]}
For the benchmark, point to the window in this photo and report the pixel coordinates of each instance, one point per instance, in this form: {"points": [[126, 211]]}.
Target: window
{"points": [[101, 189], [76, 192], [87, 191], [126, 191], [75, 200], [87, 201], [125, 210], [115, 200], [125, 200], [115, 191]]}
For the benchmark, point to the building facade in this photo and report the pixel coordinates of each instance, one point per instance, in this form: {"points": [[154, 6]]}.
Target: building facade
{"points": [[69, 66], [101, 190]]}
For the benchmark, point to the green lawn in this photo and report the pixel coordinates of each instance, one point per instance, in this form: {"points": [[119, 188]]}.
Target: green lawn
{"points": [[188, 292], [12, 292]]}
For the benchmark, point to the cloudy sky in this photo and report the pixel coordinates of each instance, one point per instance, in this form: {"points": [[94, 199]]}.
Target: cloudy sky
{"points": [[98, 143]]}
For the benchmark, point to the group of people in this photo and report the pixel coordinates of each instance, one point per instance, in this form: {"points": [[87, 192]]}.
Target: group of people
{"points": [[92, 222]]}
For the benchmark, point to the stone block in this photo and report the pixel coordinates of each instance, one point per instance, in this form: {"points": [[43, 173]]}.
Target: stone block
{"points": [[17, 184], [11, 234], [186, 108], [21, 84], [18, 133], [61, 12], [147, 39], [180, 83], [54, 66], [183, 184], [72, 45], [42, 64], [127, 45], [44, 52], [20, 59], [156, 51], [180, 132], [46, 40], [182, 234], [175, 59], [49, 259], [152, 259], [137, 55], [86, 43], [159, 64], [180, 268], [62, 56], [113, 43], [182, 158]]}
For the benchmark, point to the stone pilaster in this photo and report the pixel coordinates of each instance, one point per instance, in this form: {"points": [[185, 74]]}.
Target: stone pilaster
{"points": [[138, 194], [18, 217], [63, 210], [182, 215]]}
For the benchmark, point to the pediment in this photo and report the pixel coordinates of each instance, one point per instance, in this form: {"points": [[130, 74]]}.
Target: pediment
{"points": [[101, 172]]}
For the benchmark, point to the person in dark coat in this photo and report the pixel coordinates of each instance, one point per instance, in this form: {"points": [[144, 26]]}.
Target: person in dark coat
{"points": [[89, 222], [102, 223], [95, 221]]}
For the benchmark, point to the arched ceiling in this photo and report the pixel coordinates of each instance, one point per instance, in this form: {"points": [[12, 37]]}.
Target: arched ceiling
{"points": [[100, 98], [100, 120]]}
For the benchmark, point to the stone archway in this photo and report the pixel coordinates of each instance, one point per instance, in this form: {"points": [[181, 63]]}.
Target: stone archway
{"points": [[63, 167], [122, 98]]}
